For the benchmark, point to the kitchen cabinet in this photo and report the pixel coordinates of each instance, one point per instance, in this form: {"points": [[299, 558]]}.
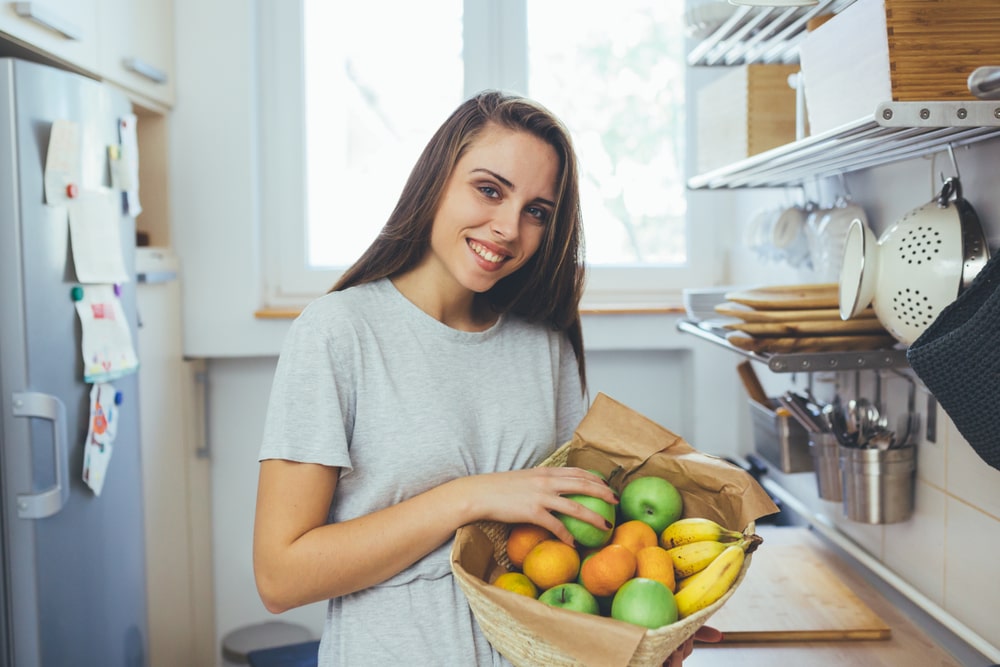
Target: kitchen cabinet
{"points": [[66, 30], [176, 476], [141, 56]]}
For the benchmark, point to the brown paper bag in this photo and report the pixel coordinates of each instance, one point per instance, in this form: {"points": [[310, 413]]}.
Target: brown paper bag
{"points": [[622, 444]]}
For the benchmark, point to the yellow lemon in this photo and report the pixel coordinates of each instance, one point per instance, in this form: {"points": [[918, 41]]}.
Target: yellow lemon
{"points": [[516, 582]]}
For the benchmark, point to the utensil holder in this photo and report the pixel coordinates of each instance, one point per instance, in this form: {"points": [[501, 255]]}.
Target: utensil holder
{"points": [[878, 484], [779, 438], [825, 451]]}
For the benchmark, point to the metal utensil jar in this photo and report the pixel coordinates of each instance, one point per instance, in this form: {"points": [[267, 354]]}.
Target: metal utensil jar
{"points": [[878, 484]]}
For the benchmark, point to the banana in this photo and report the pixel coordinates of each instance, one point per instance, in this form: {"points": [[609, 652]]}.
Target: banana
{"points": [[695, 529], [695, 556], [711, 583]]}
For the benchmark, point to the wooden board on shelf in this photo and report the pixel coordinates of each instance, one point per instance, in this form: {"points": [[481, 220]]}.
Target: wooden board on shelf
{"points": [[789, 297], [791, 345], [810, 328], [748, 314]]}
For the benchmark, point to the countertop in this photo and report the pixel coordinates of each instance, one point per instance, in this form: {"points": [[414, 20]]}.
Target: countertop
{"points": [[910, 643]]}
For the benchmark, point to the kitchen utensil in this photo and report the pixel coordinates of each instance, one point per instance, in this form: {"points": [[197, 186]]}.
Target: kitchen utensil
{"points": [[752, 383], [800, 415], [921, 262], [760, 344], [858, 270], [809, 327], [827, 231]]}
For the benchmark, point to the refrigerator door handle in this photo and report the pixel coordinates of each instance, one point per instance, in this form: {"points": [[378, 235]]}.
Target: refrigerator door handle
{"points": [[50, 501]]}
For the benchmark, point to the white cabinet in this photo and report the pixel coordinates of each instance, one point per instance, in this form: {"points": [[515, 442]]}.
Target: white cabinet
{"points": [[136, 48], [176, 479], [66, 30]]}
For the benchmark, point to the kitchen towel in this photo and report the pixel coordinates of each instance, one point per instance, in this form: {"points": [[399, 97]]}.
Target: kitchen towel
{"points": [[958, 358]]}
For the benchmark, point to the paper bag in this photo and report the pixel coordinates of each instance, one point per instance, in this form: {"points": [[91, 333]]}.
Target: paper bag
{"points": [[621, 444]]}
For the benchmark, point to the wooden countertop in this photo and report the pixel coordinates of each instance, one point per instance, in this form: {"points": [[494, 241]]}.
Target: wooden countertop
{"points": [[908, 645]]}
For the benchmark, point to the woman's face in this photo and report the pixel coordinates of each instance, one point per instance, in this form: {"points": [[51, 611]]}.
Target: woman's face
{"points": [[494, 208]]}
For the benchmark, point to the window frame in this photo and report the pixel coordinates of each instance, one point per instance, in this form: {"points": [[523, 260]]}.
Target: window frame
{"points": [[488, 25]]}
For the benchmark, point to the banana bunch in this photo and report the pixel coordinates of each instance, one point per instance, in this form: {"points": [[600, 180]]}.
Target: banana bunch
{"points": [[695, 529], [707, 559], [705, 587]]}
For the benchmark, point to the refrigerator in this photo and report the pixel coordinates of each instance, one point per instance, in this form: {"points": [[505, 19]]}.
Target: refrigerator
{"points": [[73, 586]]}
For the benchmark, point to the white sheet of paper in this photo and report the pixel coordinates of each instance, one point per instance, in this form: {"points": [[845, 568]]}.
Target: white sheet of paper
{"points": [[95, 235], [130, 161], [106, 343], [101, 430], [62, 161]]}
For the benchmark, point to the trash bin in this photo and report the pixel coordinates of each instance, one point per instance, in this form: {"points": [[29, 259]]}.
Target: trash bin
{"points": [[241, 641]]}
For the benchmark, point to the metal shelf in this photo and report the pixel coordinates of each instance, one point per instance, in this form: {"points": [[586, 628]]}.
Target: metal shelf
{"points": [[896, 131], [760, 35], [801, 362]]}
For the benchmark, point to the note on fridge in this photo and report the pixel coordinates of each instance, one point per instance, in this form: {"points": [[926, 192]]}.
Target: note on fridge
{"points": [[62, 162], [101, 429], [95, 236], [106, 343], [128, 174]]}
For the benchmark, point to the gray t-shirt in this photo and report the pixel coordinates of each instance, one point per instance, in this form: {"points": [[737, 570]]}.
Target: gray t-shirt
{"points": [[371, 384]]}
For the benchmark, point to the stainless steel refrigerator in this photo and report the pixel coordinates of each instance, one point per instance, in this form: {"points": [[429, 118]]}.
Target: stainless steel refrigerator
{"points": [[73, 586]]}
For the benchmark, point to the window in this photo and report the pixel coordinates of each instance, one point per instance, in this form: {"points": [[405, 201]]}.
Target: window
{"points": [[351, 93]]}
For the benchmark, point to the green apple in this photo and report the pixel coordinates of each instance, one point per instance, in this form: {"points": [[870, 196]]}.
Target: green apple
{"points": [[644, 602], [652, 500], [585, 533], [571, 596]]}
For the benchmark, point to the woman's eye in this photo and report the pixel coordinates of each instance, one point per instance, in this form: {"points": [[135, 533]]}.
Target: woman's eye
{"points": [[540, 214], [489, 191]]}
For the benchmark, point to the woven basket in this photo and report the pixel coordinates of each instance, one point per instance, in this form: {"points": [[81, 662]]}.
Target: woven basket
{"points": [[525, 647]]}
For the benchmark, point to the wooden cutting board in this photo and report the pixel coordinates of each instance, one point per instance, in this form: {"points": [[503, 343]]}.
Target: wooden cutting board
{"points": [[789, 594], [748, 314], [789, 297], [792, 345], [810, 328]]}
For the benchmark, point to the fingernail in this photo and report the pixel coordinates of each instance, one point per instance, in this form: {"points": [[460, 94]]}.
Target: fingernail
{"points": [[607, 524]]}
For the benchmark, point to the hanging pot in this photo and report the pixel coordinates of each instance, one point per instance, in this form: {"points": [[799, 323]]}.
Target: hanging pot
{"points": [[919, 265]]}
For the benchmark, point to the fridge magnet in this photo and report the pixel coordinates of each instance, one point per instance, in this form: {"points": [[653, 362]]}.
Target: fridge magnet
{"points": [[101, 430], [129, 158], [95, 236], [62, 162], [107, 347]]}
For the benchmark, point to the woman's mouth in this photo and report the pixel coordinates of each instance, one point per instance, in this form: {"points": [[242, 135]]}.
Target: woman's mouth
{"points": [[486, 256]]}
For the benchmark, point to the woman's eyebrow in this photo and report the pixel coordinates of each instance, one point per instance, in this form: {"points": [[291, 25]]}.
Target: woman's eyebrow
{"points": [[509, 184]]}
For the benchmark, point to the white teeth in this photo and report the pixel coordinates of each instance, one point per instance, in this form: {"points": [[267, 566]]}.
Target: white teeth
{"points": [[485, 254]]}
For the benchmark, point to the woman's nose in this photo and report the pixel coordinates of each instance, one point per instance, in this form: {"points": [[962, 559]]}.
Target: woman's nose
{"points": [[505, 223]]}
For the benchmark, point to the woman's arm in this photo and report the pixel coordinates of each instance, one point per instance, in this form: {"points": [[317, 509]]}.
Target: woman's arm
{"points": [[299, 558]]}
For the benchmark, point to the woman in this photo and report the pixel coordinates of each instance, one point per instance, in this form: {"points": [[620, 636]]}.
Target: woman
{"points": [[419, 394]]}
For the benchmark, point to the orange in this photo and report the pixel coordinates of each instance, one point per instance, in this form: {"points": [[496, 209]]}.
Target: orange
{"points": [[603, 573], [635, 535], [656, 563], [517, 582], [522, 538], [550, 563]]}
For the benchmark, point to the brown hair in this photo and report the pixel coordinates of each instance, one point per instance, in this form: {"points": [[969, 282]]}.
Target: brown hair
{"points": [[549, 286]]}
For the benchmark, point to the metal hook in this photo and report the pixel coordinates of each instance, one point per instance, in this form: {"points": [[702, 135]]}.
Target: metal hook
{"points": [[954, 164]]}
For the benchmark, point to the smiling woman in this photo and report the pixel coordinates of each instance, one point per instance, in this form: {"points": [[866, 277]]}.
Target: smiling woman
{"points": [[359, 95]]}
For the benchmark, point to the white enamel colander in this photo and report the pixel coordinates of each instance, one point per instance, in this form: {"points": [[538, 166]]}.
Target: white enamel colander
{"points": [[920, 264]]}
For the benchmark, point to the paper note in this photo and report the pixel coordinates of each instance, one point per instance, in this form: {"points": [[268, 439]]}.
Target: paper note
{"points": [[62, 161], [101, 430], [95, 235], [129, 164], [106, 343]]}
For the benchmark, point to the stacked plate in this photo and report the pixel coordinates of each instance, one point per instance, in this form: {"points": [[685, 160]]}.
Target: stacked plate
{"points": [[798, 318], [700, 302]]}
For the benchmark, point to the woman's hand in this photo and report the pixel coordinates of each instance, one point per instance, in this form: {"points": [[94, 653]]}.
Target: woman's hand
{"points": [[532, 495], [703, 634]]}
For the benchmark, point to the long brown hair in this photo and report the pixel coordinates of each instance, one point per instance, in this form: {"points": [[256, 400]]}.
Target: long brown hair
{"points": [[549, 286]]}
